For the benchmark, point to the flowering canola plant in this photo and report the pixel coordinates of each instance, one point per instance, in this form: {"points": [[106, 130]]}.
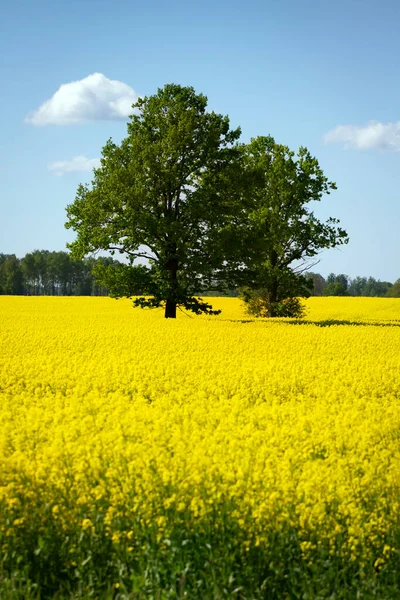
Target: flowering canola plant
{"points": [[118, 426]]}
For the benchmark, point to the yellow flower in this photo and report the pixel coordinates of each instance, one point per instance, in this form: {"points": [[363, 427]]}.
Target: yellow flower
{"points": [[87, 524], [277, 425]]}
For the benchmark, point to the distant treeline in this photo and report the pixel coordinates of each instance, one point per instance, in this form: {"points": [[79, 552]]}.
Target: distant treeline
{"points": [[343, 285], [48, 273]]}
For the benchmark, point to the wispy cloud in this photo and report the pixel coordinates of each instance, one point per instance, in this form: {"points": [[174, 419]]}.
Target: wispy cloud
{"points": [[374, 135], [94, 98], [77, 164]]}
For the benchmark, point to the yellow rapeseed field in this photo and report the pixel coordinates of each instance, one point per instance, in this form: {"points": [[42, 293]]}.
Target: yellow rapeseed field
{"points": [[114, 419]]}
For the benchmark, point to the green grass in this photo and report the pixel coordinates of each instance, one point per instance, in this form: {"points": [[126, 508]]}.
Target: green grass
{"points": [[202, 560]]}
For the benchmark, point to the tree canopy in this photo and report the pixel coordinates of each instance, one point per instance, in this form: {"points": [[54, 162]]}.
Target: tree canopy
{"points": [[148, 200], [201, 209], [281, 231]]}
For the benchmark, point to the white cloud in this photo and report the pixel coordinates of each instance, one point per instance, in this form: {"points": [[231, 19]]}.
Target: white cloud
{"points": [[77, 164], [94, 98], [374, 135]]}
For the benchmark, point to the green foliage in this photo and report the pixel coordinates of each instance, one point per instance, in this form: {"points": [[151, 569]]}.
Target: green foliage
{"points": [[56, 273], [201, 559], [287, 302], [363, 286], [342, 285], [11, 277], [190, 303], [134, 280], [202, 210], [258, 305], [394, 290], [337, 285], [318, 283], [281, 232], [125, 280], [288, 288], [150, 199], [335, 289]]}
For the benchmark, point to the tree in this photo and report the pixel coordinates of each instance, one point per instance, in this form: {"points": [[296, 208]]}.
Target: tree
{"points": [[358, 286], [30, 272], [337, 285], [35, 267], [282, 234], [149, 201], [376, 288], [341, 278], [335, 289], [318, 282], [61, 269], [11, 277], [394, 290]]}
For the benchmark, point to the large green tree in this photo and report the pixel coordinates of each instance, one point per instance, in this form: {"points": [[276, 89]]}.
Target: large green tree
{"points": [[150, 200], [281, 232]]}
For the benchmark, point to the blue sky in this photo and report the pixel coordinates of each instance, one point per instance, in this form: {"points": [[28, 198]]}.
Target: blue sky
{"points": [[321, 74]]}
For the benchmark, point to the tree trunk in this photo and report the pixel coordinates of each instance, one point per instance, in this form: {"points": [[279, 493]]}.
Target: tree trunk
{"points": [[273, 298], [172, 266], [273, 293], [170, 309]]}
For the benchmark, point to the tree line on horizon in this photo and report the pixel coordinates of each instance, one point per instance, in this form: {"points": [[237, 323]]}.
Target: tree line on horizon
{"points": [[56, 273], [343, 285], [45, 273]]}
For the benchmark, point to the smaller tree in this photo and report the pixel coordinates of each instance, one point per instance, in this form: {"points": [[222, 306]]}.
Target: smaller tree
{"points": [[281, 233], [258, 304]]}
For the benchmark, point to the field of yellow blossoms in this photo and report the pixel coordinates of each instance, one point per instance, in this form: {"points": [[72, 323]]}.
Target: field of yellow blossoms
{"points": [[202, 457]]}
